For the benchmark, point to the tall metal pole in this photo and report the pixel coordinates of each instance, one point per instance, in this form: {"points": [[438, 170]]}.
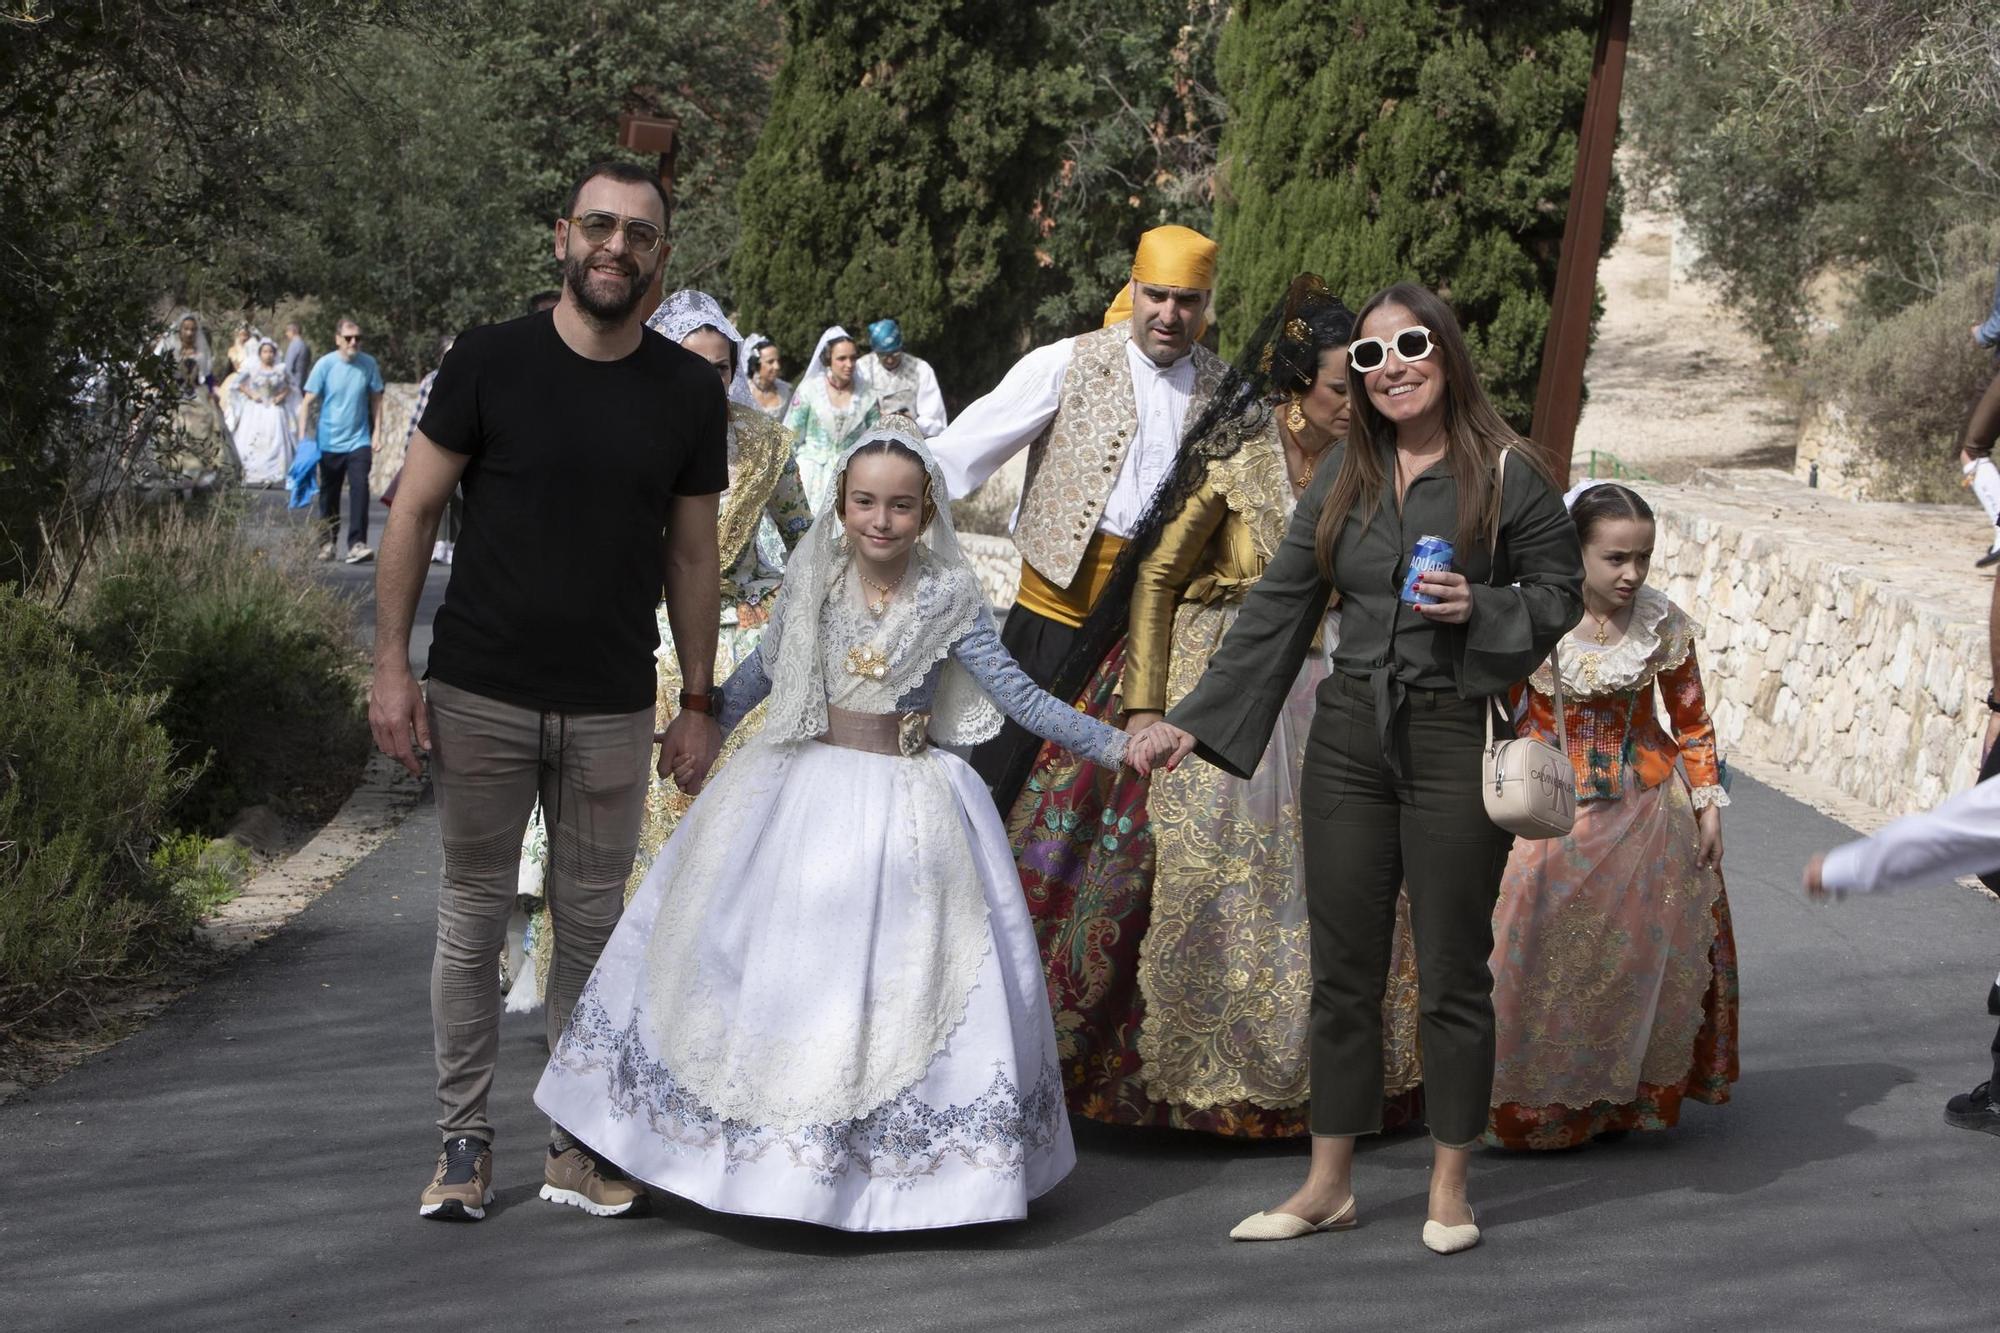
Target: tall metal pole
{"points": [[1559, 394]]}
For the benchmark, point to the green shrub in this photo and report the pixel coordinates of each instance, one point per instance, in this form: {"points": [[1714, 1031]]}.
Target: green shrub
{"points": [[202, 872], [1905, 384], [254, 656], [87, 778]]}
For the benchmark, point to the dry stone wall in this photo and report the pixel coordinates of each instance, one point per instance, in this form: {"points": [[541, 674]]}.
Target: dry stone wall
{"points": [[1843, 643]]}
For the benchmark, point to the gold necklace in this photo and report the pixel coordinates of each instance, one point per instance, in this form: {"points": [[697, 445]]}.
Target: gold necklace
{"points": [[1311, 458], [1603, 624], [880, 606]]}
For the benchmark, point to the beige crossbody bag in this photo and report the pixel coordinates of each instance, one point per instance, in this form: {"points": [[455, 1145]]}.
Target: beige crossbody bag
{"points": [[1529, 787]]}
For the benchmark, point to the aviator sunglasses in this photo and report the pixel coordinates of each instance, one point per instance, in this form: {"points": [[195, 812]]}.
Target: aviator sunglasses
{"points": [[641, 237], [1411, 344]]}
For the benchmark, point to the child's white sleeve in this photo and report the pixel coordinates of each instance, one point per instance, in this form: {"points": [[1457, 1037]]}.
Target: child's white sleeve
{"points": [[1960, 837]]}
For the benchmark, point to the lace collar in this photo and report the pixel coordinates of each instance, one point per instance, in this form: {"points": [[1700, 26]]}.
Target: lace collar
{"points": [[1658, 639]]}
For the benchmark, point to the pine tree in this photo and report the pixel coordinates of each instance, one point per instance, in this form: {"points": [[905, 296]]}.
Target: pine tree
{"points": [[896, 174], [1374, 141], [1141, 154]]}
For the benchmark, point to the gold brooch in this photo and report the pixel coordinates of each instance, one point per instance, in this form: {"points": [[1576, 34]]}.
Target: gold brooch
{"points": [[865, 659], [1296, 330]]}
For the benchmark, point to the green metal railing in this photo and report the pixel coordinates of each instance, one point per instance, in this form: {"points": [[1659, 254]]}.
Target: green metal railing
{"points": [[1609, 467]]}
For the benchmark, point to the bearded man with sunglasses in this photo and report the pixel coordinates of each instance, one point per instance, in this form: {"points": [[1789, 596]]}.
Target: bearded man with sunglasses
{"points": [[591, 457]]}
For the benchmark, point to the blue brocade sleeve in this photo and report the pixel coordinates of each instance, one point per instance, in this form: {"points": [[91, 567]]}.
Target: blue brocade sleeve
{"points": [[982, 654], [744, 690]]}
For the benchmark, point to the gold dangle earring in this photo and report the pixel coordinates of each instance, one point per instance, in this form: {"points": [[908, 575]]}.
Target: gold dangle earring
{"points": [[1295, 416]]}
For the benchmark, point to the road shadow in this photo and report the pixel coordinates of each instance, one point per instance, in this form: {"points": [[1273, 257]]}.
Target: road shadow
{"points": [[1778, 1121]]}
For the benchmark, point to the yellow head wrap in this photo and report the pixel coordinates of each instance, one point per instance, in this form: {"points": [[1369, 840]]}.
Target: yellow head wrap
{"points": [[1167, 257]]}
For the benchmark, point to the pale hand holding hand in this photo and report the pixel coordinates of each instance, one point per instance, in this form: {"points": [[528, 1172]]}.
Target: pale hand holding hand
{"points": [[1453, 593], [1140, 719], [398, 718], [1709, 848], [1165, 746], [687, 750]]}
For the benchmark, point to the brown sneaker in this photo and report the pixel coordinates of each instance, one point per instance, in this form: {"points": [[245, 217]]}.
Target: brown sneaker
{"points": [[463, 1183], [577, 1177]]}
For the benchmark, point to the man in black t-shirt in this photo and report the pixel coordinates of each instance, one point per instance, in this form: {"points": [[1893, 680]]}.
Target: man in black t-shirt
{"points": [[590, 453]]}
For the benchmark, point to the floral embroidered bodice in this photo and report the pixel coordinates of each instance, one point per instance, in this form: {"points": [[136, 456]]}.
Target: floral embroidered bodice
{"points": [[881, 664], [1609, 706]]}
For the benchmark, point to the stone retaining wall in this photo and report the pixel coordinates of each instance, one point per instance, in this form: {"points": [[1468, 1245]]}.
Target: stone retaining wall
{"points": [[1844, 643]]}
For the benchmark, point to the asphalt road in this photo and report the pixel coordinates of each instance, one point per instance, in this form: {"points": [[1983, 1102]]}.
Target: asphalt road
{"points": [[252, 1161]]}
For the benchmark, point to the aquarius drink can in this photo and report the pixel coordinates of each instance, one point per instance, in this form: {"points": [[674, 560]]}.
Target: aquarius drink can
{"points": [[1432, 555]]}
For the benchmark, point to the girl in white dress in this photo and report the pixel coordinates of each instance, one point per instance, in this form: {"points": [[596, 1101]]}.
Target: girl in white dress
{"points": [[825, 1002], [263, 403]]}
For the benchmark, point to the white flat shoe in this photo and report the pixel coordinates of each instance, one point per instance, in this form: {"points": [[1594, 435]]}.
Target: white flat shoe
{"points": [[1284, 1226], [1442, 1239]]}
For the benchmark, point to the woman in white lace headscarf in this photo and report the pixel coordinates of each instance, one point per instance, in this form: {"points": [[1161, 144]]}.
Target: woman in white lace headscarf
{"points": [[830, 409], [826, 1002], [759, 368]]}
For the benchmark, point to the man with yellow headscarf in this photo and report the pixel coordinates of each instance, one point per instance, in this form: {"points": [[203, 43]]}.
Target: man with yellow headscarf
{"points": [[1101, 416]]}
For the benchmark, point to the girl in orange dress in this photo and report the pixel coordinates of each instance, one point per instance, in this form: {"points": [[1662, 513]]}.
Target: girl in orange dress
{"points": [[1614, 966]]}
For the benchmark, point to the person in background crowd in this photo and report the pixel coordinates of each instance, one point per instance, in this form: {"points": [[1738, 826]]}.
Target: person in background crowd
{"points": [[345, 388], [759, 370], [904, 383], [265, 409], [592, 453], [1975, 457], [1101, 416], [241, 355], [448, 525], [1988, 333], [829, 411], [1614, 963], [1391, 789], [298, 357], [242, 347], [186, 343]]}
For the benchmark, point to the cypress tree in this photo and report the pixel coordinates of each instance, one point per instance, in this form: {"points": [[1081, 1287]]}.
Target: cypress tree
{"points": [[895, 176], [1373, 141]]}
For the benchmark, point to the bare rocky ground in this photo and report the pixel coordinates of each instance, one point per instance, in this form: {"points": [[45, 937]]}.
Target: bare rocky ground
{"points": [[1675, 382]]}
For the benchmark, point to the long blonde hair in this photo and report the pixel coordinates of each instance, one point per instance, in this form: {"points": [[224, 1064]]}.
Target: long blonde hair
{"points": [[1474, 432]]}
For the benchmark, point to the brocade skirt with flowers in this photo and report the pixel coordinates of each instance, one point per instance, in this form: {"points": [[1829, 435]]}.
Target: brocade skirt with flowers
{"points": [[1223, 953], [1614, 976]]}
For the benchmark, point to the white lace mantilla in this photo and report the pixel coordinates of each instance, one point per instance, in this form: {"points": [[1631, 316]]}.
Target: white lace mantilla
{"points": [[1658, 639]]}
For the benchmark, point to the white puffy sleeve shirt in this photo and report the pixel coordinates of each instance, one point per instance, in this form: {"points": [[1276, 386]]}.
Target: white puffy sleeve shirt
{"points": [[1020, 407]]}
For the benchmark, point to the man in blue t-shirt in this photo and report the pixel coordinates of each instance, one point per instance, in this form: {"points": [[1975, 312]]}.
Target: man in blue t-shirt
{"points": [[346, 387]]}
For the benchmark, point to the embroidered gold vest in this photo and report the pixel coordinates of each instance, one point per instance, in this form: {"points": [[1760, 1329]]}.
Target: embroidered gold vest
{"points": [[1072, 466]]}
